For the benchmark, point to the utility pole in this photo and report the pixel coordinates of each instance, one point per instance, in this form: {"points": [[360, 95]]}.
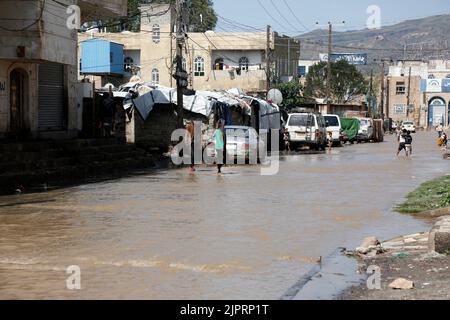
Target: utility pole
{"points": [[268, 49], [408, 97], [289, 57], [329, 74], [382, 113], [180, 39], [330, 53], [371, 93]]}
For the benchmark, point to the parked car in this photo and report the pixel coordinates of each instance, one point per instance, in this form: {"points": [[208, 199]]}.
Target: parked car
{"points": [[409, 126], [242, 142], [366, 129], [333, 124], [307, 129]]}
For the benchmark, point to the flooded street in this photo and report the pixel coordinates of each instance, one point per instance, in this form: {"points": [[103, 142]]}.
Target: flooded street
{"points": [[174, 235]]}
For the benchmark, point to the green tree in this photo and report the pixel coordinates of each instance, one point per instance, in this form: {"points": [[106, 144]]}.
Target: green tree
{"points": [[346, 85], [202, 16], [292, 94]]}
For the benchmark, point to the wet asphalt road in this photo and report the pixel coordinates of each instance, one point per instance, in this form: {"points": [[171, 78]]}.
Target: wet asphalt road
{"points": [[175, 235]]}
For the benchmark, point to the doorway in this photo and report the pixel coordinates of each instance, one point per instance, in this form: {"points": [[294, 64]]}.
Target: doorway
{"points": [[17, 98], [436, 112]]}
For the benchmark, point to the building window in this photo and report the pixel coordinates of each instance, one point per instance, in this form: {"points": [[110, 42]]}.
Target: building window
{"points": [[199, 67], [128, 64], [156, 35], [243, 63], [218, 65], [155, 76], [401, 88]]}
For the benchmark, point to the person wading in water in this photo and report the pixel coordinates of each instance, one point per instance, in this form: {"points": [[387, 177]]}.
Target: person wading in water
{"points": [[190, 141], [219, 139]]}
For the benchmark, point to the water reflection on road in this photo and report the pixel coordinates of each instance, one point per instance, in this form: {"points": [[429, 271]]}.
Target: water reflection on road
{"points": [[174, 235]]}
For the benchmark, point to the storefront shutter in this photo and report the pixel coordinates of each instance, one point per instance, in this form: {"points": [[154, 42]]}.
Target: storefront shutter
{"points": [[51, 97]]}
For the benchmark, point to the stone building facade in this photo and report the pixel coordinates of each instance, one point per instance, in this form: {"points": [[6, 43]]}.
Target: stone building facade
{"points": [[38, 66], [213, 60], [419, 91]]}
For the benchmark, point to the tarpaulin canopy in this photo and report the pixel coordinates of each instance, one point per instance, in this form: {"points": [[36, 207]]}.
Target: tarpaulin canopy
{"points": [[350, 127], [200, 103]]}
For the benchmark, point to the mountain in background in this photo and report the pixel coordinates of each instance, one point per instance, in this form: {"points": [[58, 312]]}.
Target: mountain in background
{"points": [[427, 38]]}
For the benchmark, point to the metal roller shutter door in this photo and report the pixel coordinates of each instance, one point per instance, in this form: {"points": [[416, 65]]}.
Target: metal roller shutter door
{"points": [[51, 97]]}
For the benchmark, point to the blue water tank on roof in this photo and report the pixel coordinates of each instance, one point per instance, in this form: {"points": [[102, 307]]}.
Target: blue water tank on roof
{"points": [[101, 57]]}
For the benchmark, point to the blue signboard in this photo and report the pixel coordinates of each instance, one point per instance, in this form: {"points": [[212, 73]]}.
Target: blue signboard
{"points": [[352, 58], [445, 85]]}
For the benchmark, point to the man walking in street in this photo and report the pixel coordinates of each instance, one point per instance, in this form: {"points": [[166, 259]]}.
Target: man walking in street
{"points": [[440, 129], [402, 142], [408, 144]]}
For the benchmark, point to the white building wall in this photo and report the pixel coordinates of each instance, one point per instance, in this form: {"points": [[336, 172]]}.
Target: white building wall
{"points": [[231, 58]]}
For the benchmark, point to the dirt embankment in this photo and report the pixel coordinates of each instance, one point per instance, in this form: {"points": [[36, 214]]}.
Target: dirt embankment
{"points": [[430, 274]]}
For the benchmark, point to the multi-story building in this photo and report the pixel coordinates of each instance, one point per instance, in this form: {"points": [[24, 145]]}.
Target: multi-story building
{"points": [[213, 60], [419, 91], [38, 64]]}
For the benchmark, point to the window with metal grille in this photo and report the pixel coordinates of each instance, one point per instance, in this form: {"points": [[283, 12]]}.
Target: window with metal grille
{"points": [[243, 63], [156, 35], [199, 67], [400, 88], [155, 76]]}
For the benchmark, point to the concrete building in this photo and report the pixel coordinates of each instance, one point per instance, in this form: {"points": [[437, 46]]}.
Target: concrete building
{"points": [[213, 60], [38, 65], [419, 91]]}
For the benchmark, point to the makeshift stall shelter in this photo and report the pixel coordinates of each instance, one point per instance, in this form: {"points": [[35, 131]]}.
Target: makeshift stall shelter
{"points": [[153, 115]]}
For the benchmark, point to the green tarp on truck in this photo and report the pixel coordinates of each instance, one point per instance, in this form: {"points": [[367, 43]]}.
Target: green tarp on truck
{"points": [[350, 127]]}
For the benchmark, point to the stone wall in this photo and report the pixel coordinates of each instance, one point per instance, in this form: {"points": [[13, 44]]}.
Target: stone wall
{"points": [[157, 130]]}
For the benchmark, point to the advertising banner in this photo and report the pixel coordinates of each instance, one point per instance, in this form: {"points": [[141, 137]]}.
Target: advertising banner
{"points": [[352, 58]]}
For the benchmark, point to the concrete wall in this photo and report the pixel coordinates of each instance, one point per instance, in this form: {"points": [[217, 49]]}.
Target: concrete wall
{"points": [[156, 131], [44, 33], [48, 39]]}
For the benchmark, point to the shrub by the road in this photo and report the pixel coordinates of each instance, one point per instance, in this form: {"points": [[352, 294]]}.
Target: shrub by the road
{"points": [[429, 196]]}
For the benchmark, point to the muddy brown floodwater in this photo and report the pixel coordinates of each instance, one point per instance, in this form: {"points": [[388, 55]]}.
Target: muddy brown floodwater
{"points": [[174, 235]]}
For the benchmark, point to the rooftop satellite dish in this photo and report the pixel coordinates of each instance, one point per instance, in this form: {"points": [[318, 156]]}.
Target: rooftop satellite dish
{"points": [[275, 96]]}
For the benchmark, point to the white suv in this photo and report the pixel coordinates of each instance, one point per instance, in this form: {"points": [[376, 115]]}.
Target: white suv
{"points": [[333, 123], [307, 129], [409, 126]]}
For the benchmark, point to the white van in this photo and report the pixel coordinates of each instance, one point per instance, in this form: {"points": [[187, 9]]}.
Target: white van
{"points": [[333, 124], [307, 129], [366, 129]]}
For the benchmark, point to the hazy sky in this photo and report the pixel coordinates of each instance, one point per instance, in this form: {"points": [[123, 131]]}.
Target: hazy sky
{"points": [[308, 12]]}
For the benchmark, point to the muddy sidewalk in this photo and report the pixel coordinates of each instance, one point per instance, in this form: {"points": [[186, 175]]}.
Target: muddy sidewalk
{"points": [[424, 273], [430, 275]]}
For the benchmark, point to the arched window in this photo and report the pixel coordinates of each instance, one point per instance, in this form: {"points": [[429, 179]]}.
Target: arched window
{"points": [[199, 67], [155, 76], [218, 64], [243, 63], [156, 34]]}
